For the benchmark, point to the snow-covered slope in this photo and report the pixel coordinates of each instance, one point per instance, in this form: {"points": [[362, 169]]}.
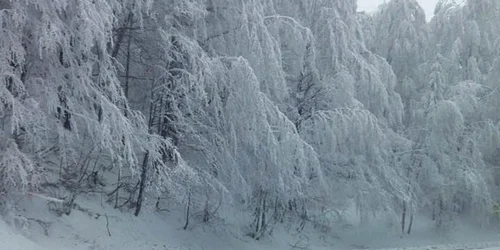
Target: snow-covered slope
{"points": [[12, 240], [152, 237], [98, 226]]}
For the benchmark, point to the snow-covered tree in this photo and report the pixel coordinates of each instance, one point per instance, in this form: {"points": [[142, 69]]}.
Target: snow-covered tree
{"points": [[401, 35], [63, 109]]}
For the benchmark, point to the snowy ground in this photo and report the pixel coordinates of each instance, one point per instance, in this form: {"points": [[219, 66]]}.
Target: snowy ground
{"points": [[97, 226], [11, 240]]}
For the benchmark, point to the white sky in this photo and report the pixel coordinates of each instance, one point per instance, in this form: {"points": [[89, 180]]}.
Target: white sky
{"points": [[371, 5]]}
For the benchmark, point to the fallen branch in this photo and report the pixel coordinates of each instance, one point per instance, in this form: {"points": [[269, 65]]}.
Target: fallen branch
{"points": [[107, 224], [47, 198]]}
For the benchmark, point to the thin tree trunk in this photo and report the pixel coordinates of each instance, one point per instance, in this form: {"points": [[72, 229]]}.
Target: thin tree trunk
{"points": [[403, 218], [121, 35], [188, 208], [142, 184], [261, 224], [258, 216], [257, 222], [277, 214], [206, 212], [433, 210], [440, 213], [263, 220], [410, 225], [157, 204], [127, 67], [118, 183]]}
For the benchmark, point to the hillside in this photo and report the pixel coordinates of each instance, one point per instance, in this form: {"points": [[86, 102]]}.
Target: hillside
{"points": [[248, 122]]}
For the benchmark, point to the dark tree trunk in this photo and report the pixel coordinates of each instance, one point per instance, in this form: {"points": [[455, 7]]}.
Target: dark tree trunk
{"points": [[142, 184], [188, 210], [410, 225], [127, 67], [403, 218], [121, 35]]}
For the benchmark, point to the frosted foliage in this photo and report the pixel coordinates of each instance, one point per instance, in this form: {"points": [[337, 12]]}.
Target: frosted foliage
{"points": [[352, 148], [472, 38], [341, 91], [467, 95], [285, 166], [375, 89], [491, 99], [286, 34], [440, 68], [256, 31], [492, 79], [471, 22], [17, 171], [444, 123], [437, 85], [401, 33], [452, 68], [449, 145], [345, 131], [447, 26], [241, 31], [60, 93], [282, 108], [489, 139], [337, 48], [485, 13]]}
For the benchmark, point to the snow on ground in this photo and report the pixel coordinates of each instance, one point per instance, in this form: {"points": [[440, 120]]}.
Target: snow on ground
{"points": [[98, 226], [11, 240]]}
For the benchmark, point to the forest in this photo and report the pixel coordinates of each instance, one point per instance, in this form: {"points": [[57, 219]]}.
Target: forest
{"points": [[290, 111]]}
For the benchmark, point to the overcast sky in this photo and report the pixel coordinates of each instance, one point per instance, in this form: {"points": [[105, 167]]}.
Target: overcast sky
{"points": [[371, 5]]}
